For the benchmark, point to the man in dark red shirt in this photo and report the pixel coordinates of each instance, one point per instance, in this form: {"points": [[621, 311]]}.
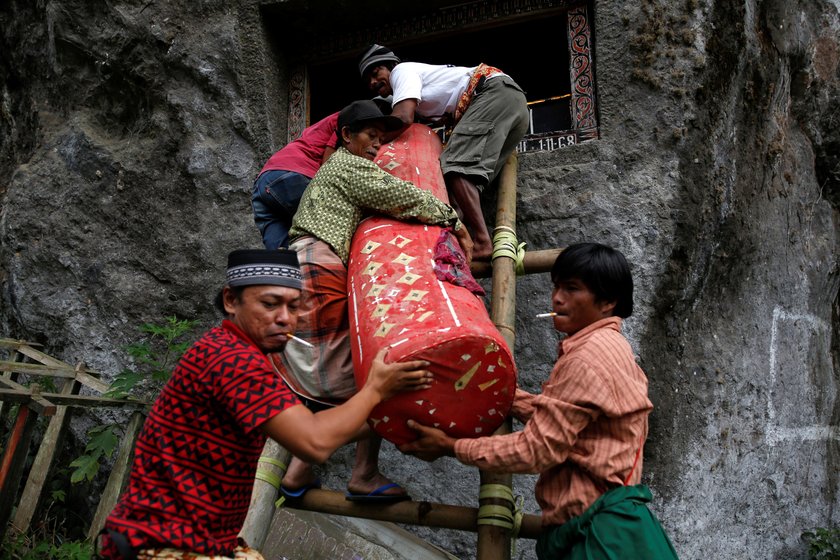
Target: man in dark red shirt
{"points": [[196, 457]]}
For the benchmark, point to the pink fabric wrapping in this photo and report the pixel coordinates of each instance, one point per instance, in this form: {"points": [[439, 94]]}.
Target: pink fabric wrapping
{"points": [[451, 263]]}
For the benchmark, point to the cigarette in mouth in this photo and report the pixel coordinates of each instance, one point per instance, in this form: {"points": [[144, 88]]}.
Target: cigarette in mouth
{"points": [[546, 315], [293, 337]]}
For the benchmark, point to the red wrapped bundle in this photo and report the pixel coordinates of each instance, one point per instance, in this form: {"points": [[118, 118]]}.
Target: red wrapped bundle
{"points": [[398, 301]]}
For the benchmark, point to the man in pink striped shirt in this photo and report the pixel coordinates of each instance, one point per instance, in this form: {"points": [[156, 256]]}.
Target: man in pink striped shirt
{"points": [[584, 434]]}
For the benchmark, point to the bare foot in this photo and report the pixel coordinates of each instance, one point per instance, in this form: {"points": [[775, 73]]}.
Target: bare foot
{"points": [[366, 485], [482, 252], [298, 475]]}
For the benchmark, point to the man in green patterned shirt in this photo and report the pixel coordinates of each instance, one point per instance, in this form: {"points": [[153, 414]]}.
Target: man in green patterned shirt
{"points": [[348, 187], [352, 185]]}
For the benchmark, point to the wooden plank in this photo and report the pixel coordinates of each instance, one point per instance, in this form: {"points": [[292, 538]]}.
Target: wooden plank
{"points": [[38, 369], [15, 344], [87, 379], [44, 461], [17, 395], [31, 396], [8, 376], [119, 475], [40, 357], [13, 385], [38, 403], [14, 458]]}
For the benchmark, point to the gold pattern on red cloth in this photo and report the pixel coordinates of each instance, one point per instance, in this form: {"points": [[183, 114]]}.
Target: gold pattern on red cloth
{"points": [[396, 300]]}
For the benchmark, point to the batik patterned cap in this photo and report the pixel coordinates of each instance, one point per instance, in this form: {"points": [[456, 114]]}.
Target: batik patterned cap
{"points": [[259, 267]]}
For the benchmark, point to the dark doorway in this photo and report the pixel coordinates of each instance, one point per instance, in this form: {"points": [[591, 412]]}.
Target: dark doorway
{"points": [[535, 52]]}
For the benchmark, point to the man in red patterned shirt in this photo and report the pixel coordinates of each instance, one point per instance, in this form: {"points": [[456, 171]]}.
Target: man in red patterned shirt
{"points": [[196, 457], [584, 434]]}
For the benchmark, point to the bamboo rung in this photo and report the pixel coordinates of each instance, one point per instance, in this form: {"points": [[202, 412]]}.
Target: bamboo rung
{"points": [[428, 514], [534, 262]]}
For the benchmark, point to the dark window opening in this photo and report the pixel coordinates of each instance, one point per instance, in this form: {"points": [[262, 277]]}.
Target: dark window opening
{"points": [[535, 53], [527, 39]]}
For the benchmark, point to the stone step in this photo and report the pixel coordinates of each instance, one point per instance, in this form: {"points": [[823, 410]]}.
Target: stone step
{"points": [[304, 535]]}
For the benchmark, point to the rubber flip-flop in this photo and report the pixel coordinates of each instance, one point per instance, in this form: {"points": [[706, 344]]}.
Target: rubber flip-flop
{"points": [[298, 493], [377, 496]]}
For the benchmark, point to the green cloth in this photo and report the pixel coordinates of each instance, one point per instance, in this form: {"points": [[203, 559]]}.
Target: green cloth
{"points": [[618, 525], [347, 188]]}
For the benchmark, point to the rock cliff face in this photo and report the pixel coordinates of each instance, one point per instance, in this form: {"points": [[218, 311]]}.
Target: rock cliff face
{"points": [[130, 133]]}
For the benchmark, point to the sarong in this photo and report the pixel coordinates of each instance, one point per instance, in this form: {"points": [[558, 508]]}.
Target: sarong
{"points": [[324, 371], [617, 526]]}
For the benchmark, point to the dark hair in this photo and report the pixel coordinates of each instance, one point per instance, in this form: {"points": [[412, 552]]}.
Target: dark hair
{"points": [[602, 269], [339, 134], [219, 302]]}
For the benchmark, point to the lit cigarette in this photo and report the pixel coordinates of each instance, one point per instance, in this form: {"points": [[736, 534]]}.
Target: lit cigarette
{"points": [[546, 315], [293, 337]]}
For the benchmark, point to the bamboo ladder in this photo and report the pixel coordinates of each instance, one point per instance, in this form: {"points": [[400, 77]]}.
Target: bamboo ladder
{"points": [[494, 541], [32, 402]]}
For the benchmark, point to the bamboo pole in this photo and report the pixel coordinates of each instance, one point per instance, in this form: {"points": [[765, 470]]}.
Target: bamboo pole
{"points": [[533, 263], [494, 541], [261, 510], [7, 375], [410, 512]]}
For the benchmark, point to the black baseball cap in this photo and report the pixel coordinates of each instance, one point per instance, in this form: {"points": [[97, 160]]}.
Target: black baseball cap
{"points": [[367, 111]]}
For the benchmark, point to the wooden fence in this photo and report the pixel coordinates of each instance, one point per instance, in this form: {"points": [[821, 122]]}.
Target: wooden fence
{"points": [[29, 402]]}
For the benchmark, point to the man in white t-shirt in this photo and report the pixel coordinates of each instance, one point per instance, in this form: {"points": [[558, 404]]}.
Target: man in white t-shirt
{"points": [[486, 107]]}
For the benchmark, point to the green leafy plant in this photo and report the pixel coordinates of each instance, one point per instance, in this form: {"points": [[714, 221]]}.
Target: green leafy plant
{"points": [[154, 357], [73, 550], [823, 543], [43, 546], [102, 441]]}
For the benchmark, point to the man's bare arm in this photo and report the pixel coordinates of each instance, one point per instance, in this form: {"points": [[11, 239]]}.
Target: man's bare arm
{"points": [[404, 110], [314, 437]]}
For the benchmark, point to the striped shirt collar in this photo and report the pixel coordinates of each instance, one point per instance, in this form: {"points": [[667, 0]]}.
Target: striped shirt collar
{"points": [[571, 342]]}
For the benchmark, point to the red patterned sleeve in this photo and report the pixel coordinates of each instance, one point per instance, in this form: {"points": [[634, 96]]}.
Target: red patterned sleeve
{"points": [[249, 389]]}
